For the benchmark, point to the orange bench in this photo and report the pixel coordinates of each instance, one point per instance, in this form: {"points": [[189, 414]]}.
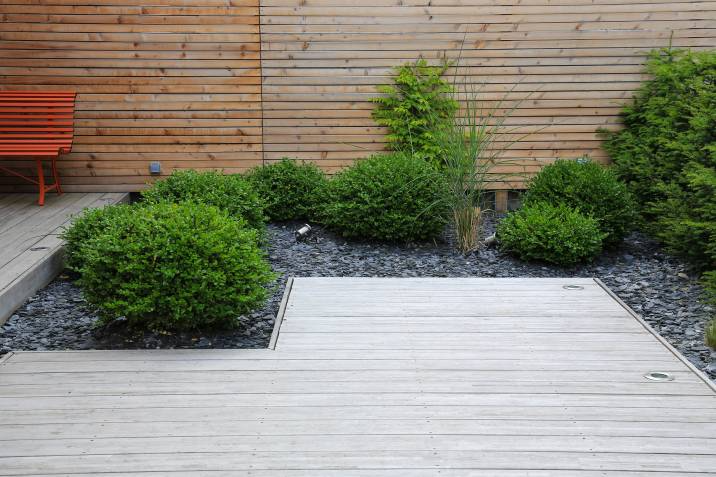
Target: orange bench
{"points": [[36, 125]]}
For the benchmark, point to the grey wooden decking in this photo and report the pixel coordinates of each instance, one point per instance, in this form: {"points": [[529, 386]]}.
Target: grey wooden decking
{"points": [[29, 244], [377, 377]]}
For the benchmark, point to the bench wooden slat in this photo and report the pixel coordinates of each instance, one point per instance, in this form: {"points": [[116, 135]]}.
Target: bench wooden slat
{"points": [[33, 96], [36, 93], [30, 147], [12, 119], [17, 123], [16, 154], [29, 143], [34, 132], [64, 110], [38, 132]]}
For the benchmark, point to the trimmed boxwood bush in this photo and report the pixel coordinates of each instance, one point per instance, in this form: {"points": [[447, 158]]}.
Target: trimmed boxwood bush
{"points": [[551, 233], [91, 223], [392, 197], [592, 189], [232, 193], [174, 267], [290, 190]]}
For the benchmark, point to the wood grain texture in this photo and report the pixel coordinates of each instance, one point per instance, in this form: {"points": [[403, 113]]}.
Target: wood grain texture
{"points": [[574, 63], [31, 252], [392, 407], [219, 84], [169, 81]]}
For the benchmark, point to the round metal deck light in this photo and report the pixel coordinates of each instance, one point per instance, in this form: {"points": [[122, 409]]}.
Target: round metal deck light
{"points": [[658, 376], [573, 287]]}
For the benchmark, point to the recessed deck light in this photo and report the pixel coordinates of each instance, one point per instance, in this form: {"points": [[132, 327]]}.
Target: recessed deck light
{"points": [[658, 376], [573, 287]]}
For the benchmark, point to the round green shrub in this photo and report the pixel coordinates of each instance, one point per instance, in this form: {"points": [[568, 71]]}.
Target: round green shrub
{"points": [[392, 197], [592, 189], [85, 227], [232, 193], [290, 190], [175, 267], [551, 233]]}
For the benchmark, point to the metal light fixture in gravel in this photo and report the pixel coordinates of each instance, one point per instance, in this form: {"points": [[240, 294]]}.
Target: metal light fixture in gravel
{"points": [[303, 232]]}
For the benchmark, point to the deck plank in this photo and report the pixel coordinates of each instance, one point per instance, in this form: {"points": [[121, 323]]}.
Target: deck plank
{"points": [[377, 377], [30, 248]]}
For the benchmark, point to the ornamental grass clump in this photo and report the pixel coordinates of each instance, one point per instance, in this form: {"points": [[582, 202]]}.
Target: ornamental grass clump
{"points": [[175, 267], [230, 192], [392, 197], [590, 188], [446, 122], [550, 233], [290, 190], [472, 147]]}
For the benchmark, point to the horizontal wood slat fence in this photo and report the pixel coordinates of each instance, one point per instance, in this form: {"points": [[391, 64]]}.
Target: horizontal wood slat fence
{"points": [[175, 81], [230, 83]]}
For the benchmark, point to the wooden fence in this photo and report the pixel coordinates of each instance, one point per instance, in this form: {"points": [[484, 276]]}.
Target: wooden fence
{"points": [[177, 82], [231, 83]]}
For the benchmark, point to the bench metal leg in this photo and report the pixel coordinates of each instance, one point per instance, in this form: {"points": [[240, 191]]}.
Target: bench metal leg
{"points": [[40, 182], [56, 176]]}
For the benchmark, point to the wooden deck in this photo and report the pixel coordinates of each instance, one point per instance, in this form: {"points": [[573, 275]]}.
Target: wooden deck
{"points": [[30, 249], [377, 377]]}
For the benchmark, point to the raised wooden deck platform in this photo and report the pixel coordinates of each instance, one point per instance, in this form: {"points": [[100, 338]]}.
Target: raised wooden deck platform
{"points": [[377, 377], [30, 249]]}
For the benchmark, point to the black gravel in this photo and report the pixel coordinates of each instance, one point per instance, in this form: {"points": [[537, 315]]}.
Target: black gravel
{"points": [[655, 285]]}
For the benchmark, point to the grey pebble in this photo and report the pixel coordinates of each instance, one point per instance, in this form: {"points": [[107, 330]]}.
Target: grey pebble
{"points": [[647, 279]]}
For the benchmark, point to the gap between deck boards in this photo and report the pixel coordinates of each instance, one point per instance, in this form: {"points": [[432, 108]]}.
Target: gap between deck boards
{"points": [[35, 266]]}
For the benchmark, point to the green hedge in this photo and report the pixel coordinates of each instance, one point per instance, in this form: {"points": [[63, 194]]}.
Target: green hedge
{"points": [[667, 154], [174, 267], [290, 190], [393, 197]]}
